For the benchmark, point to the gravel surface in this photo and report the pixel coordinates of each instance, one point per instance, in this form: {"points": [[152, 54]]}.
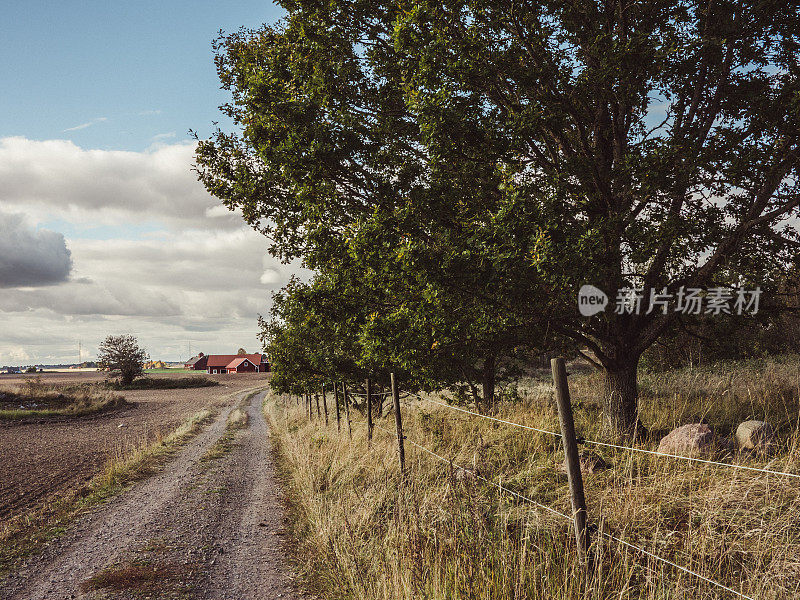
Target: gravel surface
{"points": [[45, 458], [202, 528]]}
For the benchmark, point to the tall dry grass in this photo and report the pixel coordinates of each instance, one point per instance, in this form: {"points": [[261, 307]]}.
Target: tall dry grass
{"points": [[365, 532], [33, 398]]}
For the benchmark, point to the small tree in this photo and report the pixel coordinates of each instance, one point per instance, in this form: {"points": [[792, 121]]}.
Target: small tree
{"points": [[122, 356], [241, 352]]}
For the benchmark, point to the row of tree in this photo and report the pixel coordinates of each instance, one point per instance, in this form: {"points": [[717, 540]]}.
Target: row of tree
{"points": [[453, 172]]}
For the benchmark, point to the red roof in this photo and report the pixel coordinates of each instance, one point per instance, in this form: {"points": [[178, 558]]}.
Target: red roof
{"points": [[238, 361], [223, 360]]}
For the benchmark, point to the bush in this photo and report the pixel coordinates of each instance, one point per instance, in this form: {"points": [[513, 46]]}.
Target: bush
{"points": [[36, 399], [164, 383]]}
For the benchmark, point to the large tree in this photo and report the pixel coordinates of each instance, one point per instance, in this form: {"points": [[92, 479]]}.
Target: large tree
{"points": [[650, 145], [332, 166], [662, 137], [121, 355]]}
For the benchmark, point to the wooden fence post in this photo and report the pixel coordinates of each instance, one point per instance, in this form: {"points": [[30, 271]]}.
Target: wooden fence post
{"points": [[572, 458], [347, 410], [398, 421], [325, 404], [336, 399], [369, 410]]}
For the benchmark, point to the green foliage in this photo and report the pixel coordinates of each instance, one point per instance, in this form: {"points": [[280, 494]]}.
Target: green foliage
{"points": [[455, 171], [121, 355]]}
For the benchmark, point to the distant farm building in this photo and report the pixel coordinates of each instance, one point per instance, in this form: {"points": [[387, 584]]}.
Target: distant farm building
{"points": [[228, 363], [196, 363]]}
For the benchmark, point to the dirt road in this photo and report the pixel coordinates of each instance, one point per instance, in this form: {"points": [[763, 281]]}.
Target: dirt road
{"points": [[209, 526], [43, 459]]}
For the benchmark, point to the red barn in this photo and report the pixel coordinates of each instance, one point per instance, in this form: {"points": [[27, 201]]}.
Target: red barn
{"points": [[235, 363], [196, 363], [242, 365]]}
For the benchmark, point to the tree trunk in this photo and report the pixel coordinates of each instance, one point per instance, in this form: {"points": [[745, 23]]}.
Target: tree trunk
{"points": [[127, 377], [488, 382], [621, 402]]}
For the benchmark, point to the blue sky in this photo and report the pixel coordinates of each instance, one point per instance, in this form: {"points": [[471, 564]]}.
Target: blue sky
{"points": [[103, 226], [121, 72]]}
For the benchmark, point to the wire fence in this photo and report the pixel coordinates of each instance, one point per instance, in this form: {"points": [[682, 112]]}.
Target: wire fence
{"points": [[616, 446], [570, 517], [563, 435]]}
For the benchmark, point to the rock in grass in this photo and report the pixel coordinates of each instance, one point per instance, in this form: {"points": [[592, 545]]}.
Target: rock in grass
{"points": [[755, 435], [590, 462], [689, 440]]}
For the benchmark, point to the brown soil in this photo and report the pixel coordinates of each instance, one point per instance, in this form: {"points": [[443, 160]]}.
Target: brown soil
{"points": [[202, 529], [46, 458]]}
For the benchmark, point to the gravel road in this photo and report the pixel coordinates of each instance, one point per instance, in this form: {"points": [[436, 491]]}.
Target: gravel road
{"points": [[43, 459], [204, 528]]}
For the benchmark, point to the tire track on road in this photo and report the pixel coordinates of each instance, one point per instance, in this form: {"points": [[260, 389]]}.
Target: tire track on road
{"points": [[213, 526]]}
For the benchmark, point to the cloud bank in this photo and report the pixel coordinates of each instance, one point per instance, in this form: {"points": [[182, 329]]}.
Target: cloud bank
{"points": [[144, 249], [31, 257], [57, 179]]}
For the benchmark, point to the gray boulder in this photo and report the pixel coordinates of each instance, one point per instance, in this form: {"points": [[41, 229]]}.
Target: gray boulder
{"points": [[590, 462], [755, 435], [689, 440]]}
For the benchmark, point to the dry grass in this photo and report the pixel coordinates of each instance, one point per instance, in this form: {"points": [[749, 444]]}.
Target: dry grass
{"points": [[364, 532], [141, 577], [128, 467], [34, 399], [26, 534], [237, 419], [163, 383]]}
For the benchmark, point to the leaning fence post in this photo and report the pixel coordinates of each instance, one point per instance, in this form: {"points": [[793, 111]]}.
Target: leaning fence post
{"points": [[336, 398], [572, 458], [369, 409], [325, 404], [398, 421], [347, 410]]}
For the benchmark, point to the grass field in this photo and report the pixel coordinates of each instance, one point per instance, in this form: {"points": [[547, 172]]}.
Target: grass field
{"points": [[36, 399], [363, 531]]}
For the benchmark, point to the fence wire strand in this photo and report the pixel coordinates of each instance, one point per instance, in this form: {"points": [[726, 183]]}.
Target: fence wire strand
{"points": [[469, 412], [363, 395], [628, 448], [474, 474], [672, 564], [568, 517]]}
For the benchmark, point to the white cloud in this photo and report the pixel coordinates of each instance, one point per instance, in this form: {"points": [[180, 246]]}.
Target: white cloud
{"points": [[58, 179], [87, 124], [17, 354], [270, 276], [160, 137], [200, 279]]}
